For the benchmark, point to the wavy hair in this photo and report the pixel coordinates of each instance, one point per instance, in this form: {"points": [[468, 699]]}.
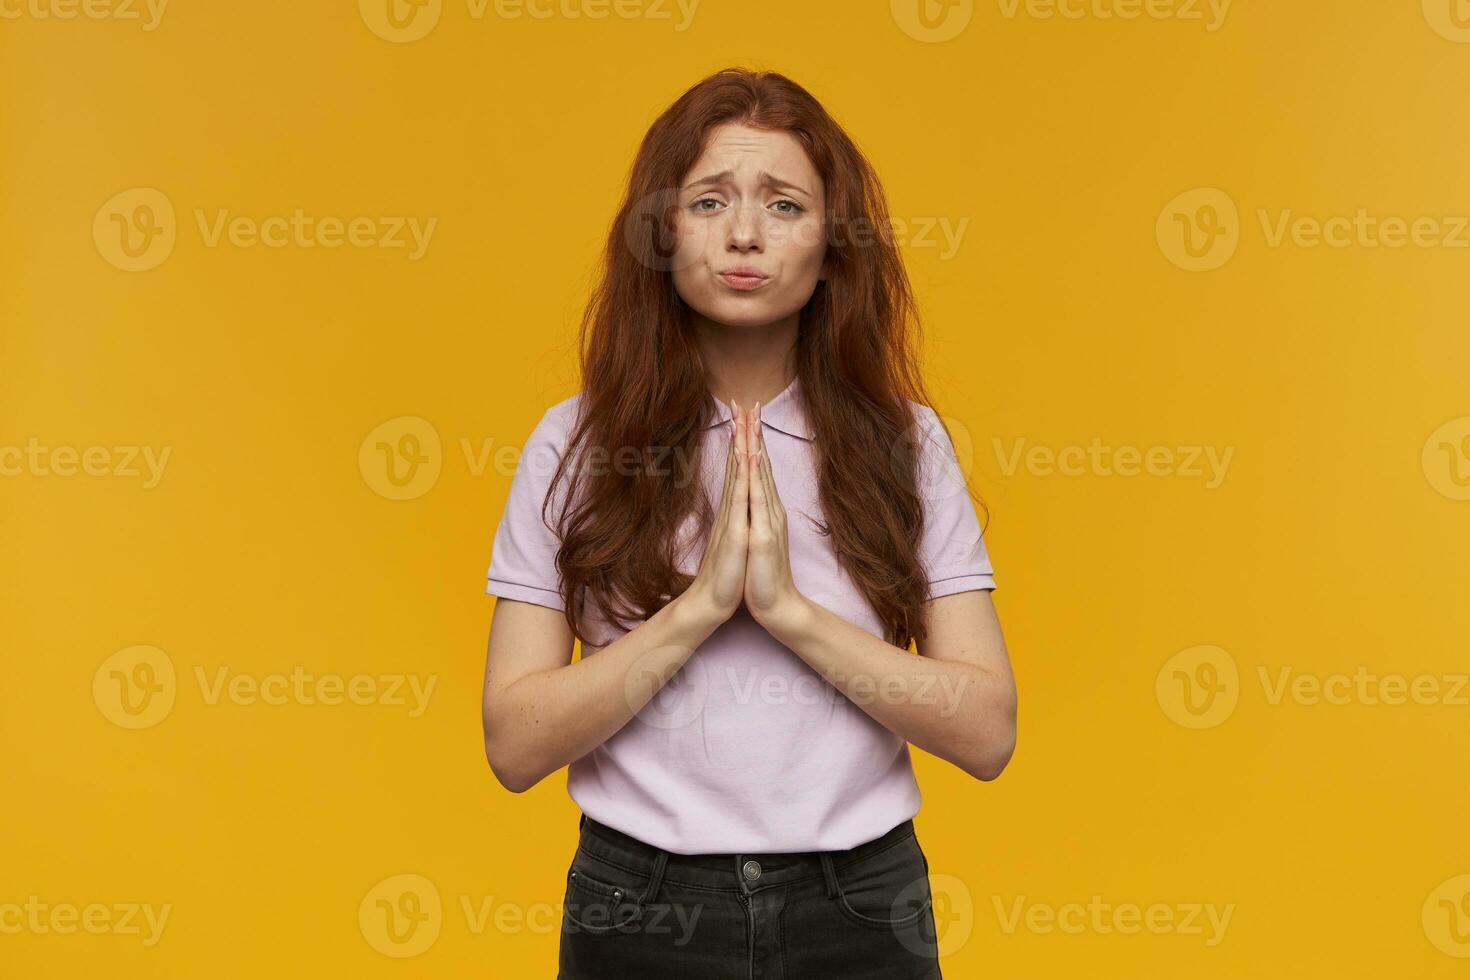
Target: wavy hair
{"points": [[644, 382]]}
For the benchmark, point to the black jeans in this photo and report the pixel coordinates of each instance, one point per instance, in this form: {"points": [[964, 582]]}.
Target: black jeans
{"points": [[637, 912]]}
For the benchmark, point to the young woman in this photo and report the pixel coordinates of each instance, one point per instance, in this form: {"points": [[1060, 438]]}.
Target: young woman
{"points": [[746, 516]]}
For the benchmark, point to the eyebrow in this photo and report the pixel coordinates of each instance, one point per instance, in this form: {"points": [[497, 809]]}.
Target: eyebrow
{"points": [[768, 180]]}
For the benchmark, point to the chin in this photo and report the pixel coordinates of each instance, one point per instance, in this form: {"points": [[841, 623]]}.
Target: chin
{"points": [[738, 314]]}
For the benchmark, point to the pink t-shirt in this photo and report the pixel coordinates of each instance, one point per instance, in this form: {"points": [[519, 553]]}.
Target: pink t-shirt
{"points": [[747, 749]]}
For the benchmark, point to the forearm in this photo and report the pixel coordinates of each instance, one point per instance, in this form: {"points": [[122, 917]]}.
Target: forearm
{"points": [[957, 711], [545, 720]]}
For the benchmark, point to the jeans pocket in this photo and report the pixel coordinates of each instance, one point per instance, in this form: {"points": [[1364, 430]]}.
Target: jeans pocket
{"points": [[887, 890], [599, 897]]}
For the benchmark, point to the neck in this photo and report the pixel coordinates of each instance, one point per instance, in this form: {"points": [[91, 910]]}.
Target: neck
{"points": [[746, 364]]}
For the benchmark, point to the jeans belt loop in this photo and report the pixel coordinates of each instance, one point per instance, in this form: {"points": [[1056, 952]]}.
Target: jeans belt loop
{"points": [[655, 877], [830, 873]]}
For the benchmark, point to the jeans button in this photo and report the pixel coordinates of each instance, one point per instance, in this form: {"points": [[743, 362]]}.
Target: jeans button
{"points": [[752, 870]]}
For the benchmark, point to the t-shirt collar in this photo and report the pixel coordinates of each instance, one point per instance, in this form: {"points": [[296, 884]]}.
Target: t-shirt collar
{"points": [[785, 412]]}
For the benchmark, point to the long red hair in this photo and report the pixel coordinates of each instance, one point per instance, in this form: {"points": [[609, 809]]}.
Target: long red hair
{"points": [[644, 382]]}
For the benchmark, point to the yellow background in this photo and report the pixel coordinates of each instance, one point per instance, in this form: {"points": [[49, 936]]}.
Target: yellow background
{"points": [[1336, 539]]}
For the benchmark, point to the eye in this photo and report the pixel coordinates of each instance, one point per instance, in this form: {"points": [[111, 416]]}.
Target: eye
{"points": [[797, 208], [695, 206]]}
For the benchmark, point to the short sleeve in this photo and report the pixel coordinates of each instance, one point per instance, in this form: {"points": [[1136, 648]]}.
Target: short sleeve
{"points": [[523, 555], [952, 549]]}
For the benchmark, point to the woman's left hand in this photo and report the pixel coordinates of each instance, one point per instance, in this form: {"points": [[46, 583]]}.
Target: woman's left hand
{"points": [[770, 594]]}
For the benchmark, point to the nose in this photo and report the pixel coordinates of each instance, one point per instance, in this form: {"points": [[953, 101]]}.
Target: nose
{"points": [[745, 228]]}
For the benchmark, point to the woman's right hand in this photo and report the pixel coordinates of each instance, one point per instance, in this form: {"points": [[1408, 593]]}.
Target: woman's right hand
{"points": [[719, 585]]}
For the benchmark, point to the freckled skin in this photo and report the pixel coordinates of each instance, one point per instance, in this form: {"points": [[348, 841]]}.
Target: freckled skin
{"points": [[743, 221]]}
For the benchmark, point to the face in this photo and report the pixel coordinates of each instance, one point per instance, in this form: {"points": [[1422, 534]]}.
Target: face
{"points": [[750, 244]]}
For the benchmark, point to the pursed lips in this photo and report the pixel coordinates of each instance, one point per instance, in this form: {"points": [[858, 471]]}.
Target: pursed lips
{"points": [[744, 278]]}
